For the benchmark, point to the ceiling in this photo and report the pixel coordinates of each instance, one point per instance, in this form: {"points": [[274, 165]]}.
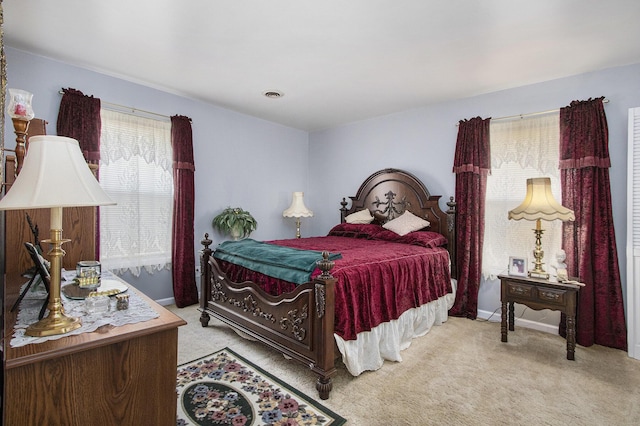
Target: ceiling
{"points": [[335, 61]]}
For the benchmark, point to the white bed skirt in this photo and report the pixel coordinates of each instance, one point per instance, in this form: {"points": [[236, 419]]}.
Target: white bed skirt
{"points": [[385, 341]]}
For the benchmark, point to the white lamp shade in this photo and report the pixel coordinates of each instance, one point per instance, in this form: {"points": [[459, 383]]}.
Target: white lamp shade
{"points": [[539, 203], [54, 174], [297, 207]]}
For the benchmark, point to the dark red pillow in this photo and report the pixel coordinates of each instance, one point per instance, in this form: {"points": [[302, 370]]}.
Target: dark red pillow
{"points": [[355, 230], [427, 239]]}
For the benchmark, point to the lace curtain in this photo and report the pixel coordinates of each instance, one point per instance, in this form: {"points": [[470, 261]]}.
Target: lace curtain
{"points": [[520, 149], [136, 171]]}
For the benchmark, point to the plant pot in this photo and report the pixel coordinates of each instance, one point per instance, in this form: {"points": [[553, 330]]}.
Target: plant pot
{"points": [[235, 234]]}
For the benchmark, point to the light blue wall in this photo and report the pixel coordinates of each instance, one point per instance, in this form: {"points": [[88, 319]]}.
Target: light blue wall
{"points": [[240, 160], [329, 164], [422, 141]]}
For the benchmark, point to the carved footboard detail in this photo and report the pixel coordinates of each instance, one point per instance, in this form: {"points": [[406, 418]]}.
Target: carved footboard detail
{"points": [[299, 324], [296, 322]]}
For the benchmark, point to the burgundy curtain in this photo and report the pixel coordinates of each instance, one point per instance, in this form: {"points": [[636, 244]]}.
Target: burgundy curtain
{"points": [[471, 165], [183, 260], [79, 118], [590, 241]]}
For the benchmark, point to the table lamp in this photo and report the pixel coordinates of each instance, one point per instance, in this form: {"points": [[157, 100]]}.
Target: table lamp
{"points": [[297, 209], [54, 175], [539, 204]]}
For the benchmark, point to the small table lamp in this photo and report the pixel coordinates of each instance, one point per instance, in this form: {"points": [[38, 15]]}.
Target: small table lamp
{"points": [[297, 209], [54, 175], [538, 205]]}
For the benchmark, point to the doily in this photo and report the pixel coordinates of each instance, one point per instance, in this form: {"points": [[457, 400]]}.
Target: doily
{"points": [[139, 310]]}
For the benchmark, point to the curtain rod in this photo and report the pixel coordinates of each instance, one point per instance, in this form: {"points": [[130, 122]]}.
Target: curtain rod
{"points": [[128, 108], [529, 114], [604, 101]]}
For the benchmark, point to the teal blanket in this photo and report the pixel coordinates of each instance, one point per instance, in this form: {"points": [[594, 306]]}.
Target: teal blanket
{"points": [[285, 263]]}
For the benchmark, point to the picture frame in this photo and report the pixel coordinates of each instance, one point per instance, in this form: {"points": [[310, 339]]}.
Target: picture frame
{"points": [[41, 272], [518, 266]]}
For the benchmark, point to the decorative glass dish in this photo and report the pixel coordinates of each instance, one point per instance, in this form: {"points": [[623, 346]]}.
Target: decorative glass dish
{"points": [[88, 267], [88, 274], [106, 287], [90, 281]]}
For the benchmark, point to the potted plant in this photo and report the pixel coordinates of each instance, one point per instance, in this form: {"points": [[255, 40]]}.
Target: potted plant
{"points": [[236, 222]]}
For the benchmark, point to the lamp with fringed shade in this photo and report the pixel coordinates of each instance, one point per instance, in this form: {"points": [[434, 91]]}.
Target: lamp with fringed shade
{"points": [[54, 175], [539, 204], [297, 209]]}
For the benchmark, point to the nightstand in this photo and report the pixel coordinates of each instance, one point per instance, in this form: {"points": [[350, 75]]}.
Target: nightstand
{"points": [[540, 294]]}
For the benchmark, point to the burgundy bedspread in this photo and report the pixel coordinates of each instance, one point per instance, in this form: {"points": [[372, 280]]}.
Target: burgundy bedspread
{"points": [[376, 280]]}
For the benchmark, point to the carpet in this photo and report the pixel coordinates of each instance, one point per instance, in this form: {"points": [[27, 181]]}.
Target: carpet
{"points": [[225, 389]]}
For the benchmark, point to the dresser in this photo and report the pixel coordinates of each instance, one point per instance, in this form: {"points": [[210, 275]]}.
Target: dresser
{"points": [[539, 294], [114, 376]]}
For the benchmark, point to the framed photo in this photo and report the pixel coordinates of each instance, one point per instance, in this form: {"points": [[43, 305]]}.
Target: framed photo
{"points": [[41, 272], [518, 266]]}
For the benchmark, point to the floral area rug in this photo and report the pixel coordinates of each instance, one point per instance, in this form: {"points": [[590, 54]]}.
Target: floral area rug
{"points": [[225, 389]]}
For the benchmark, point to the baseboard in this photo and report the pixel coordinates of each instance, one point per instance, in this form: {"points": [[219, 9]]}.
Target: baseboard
{"points": [[170, 300], [535, 325], [634, 351], [167, 301]]}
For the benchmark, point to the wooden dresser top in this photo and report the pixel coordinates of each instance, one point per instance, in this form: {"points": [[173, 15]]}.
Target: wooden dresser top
{"points": [[106, 335]]}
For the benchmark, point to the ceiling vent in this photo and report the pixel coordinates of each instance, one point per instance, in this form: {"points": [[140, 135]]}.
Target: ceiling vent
{"points": [[272, 94]]}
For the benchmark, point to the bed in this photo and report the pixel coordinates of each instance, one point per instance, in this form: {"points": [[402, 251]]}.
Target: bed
{"points": [[370, 291]]}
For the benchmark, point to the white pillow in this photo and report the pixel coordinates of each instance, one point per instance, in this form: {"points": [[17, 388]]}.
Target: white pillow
{"points": [[405, 223], [363, 216]]}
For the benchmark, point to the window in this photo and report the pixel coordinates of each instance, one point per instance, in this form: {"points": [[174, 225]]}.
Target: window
{"points": [[520, 149], [136, 171]]}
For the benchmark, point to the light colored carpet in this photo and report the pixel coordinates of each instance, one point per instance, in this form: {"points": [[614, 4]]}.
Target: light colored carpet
{"points": [[460, 373]]}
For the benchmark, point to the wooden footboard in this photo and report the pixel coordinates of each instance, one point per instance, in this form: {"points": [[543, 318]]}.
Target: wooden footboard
{"points": [[298, 324]]}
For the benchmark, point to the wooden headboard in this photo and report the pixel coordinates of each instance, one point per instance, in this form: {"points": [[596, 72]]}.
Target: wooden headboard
{"points": [[389, 192]]}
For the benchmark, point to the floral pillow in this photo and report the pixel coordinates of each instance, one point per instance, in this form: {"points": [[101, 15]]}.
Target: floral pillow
{"points": [[405, 223], [355, 230], [363, 216]]}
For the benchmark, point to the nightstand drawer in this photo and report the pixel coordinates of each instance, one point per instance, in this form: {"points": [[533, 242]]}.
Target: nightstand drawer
{"points": [[551, 295], [521, 291]]}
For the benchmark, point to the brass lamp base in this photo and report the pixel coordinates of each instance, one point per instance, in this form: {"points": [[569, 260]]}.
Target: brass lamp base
{"points": [[538, 271], [52, 325], [298, 235], [56, 322]]}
